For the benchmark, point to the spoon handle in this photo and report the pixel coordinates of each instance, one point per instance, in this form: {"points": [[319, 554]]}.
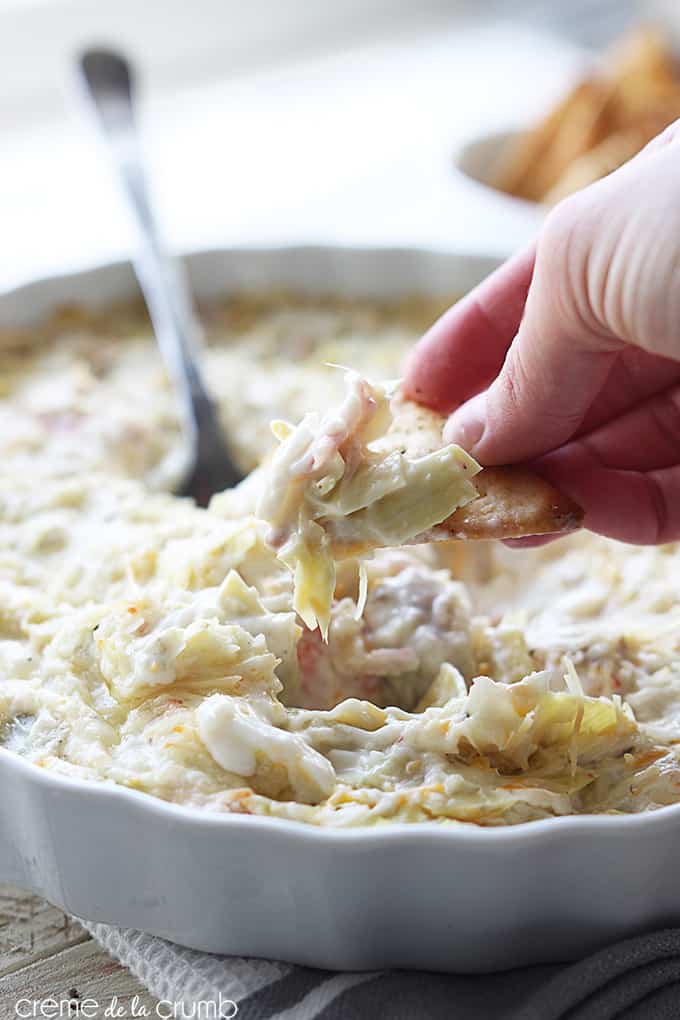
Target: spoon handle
{"points": [[109, 83]]}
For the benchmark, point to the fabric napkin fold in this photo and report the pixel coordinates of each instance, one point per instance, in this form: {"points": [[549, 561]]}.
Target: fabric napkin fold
{"points": [[637, 979]]}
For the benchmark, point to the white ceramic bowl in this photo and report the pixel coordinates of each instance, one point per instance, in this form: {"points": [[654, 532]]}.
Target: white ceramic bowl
{"points": [[440, 898], [478, 160]]}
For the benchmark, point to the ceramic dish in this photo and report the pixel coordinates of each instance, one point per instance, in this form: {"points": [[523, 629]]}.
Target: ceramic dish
{"points": [[478, 160], [440, 898]]}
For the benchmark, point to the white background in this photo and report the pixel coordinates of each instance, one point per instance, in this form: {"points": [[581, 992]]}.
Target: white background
{"points": [[275, 129]]}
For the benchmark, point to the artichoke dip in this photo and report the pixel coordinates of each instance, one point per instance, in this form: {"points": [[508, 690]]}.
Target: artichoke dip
{"points": [[226, 659]]}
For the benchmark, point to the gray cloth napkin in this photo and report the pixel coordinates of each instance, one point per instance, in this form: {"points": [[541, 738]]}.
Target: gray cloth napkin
{"points": [[638, 979]]}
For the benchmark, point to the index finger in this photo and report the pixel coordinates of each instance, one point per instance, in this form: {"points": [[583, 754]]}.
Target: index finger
{"points": [[464, 350]]}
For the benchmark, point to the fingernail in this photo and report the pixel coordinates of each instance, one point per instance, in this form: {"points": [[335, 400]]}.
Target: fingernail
{"points": [[466, 425]]}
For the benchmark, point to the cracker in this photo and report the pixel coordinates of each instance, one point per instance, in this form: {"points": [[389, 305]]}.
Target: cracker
{"points": [[415, 430], [604, 120], [539, 157], [644, 68], [512, 502], [606, 157]]}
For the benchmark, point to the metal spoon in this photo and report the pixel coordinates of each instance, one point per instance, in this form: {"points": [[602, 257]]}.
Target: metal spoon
{"points": [[109, 83]]}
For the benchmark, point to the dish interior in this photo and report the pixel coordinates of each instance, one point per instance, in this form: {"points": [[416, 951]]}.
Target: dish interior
{"points": [[153, 645]]}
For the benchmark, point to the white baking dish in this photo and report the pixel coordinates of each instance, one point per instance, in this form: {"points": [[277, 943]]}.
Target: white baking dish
{"points": [[441, 898]]}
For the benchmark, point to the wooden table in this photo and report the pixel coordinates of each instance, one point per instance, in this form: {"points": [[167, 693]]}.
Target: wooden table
{"points": [[44, 954]]}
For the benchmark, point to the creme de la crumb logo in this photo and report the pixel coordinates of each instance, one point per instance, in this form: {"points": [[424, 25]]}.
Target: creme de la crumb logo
{"points": [[75, 1007]]}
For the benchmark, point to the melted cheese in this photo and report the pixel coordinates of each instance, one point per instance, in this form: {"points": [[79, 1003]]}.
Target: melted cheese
{"points": [[169, 649]]}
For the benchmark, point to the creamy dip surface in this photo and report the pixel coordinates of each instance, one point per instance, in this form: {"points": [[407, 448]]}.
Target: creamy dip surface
{"points": [[151, 644]]}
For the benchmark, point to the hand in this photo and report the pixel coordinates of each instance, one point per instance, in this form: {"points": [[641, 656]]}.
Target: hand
{"points": [[569, 354]]}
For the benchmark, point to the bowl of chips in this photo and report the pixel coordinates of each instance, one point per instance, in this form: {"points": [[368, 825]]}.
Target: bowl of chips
{"points": [[607, 116]]}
